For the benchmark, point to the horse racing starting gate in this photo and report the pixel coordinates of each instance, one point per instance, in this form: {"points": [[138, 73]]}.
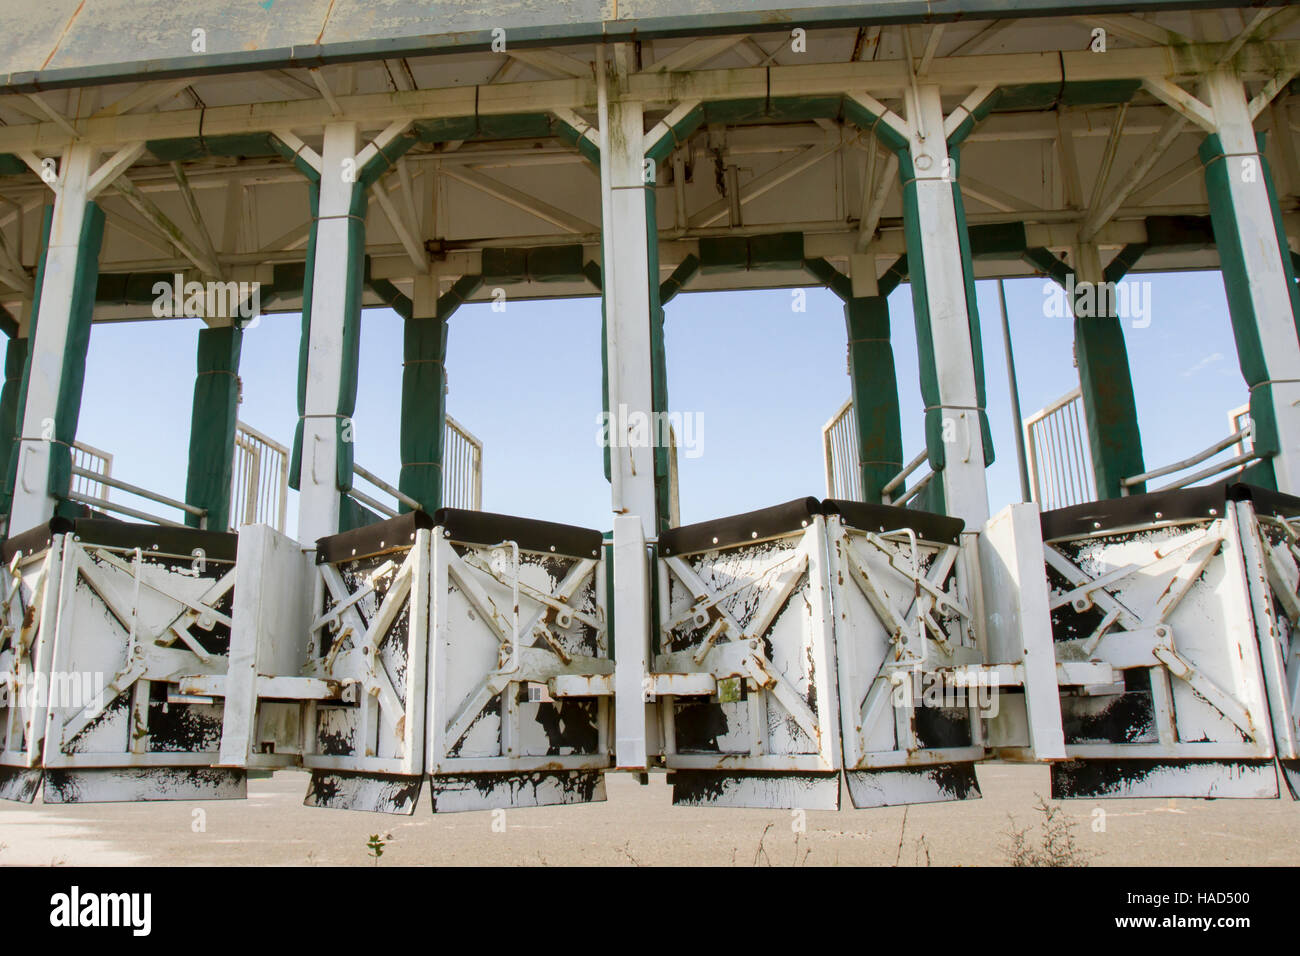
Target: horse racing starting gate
{"points": [[1142, 646]]}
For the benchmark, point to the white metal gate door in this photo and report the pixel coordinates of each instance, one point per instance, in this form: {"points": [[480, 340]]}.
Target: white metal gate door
{"points": [[140, 608], [911, 684], [744, 670], [28, 608], [369, 637], [1269, 523], [1155, 586], [521, 670]]}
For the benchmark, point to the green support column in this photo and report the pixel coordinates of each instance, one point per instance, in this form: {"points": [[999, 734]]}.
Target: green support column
{"points": [[15, 366], [875, 394], [424, 397], [1263, 301], [212, 427], [1106, 384]]}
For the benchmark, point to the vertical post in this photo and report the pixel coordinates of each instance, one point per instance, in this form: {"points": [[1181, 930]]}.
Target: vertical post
{"points": [[212, 427], [1105, 381], [875, 393], [1258, 278], [10, 412], [630, 424], [938, 255], [424, 396], [325, 465], [57, 365], [1014, 387], [626, 293]]}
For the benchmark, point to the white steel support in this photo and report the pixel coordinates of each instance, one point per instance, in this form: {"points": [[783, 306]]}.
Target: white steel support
{"points": [[1271, 301], [627, 310], [320, 499], [964, 486], [631, 614], [32, 503]]}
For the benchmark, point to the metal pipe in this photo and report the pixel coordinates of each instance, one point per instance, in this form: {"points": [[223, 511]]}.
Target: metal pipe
{"points": [[607, 278], [382, 485], [1188, 462], [1015, 395], [1212, 470], [142, 492], [911, 466], [104, 505]]}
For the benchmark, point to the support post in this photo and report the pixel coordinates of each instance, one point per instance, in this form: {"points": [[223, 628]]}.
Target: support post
{"points": [[1258, 278], [328, 377], [424, 387], [51, 401], [1105, 382], [947, 326], [10, 411], [626, 291], [212, 427], [875, 393]]}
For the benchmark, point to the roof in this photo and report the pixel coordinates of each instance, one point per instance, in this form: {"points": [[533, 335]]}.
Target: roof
{"points": [[81, 42]]}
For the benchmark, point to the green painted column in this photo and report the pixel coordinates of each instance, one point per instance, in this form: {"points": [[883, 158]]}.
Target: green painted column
{"points": [[1106, 385], [424, 395], [1263, 299], [875, 393], [15, 366], [212, 427]]}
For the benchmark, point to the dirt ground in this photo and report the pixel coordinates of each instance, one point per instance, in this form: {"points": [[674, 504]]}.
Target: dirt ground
{"points": [[639, 825]]}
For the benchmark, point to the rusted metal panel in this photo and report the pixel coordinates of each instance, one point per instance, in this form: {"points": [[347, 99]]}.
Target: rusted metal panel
{"points": [[29, 598], [138, 620], [912, 688], [1163, 598], [517, 636], [745, 605]]}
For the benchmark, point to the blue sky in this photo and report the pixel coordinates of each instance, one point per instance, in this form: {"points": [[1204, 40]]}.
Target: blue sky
{"points": [[762, 378]]}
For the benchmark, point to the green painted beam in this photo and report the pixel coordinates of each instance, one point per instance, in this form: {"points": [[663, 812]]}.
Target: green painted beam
{"points": [[875, 394], [212, 426]]}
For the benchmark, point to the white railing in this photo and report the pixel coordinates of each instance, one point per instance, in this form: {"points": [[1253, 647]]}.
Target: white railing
{"points": [[259, 487], [840, 440], [462, 468], [101, 503], [1228, 468], [1056, 450], [887, 492], [373, 503], [97, 463]]}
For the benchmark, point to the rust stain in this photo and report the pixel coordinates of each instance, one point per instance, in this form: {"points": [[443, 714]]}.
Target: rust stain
{"points": [[66, 27], [323, 25]]}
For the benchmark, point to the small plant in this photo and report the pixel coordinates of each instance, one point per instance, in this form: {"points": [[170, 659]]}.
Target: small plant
{"points": [[1052, 845], [376, 845]]}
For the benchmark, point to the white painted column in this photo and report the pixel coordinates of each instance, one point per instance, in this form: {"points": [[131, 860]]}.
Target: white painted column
{"points": [[1262, 256], [626, 290], [319, 499], [627, 313], [33, 504], [964, 483]]}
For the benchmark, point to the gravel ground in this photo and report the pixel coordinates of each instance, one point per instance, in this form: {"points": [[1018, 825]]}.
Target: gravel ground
{"points": [[639, 825]]}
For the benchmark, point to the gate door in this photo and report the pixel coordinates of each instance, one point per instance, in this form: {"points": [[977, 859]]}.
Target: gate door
{"points": [[139, 608], [911, 681], [29, 593], [368, 649], [1270, 537], [1155, 586], [744, 670], [521, 666]]}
